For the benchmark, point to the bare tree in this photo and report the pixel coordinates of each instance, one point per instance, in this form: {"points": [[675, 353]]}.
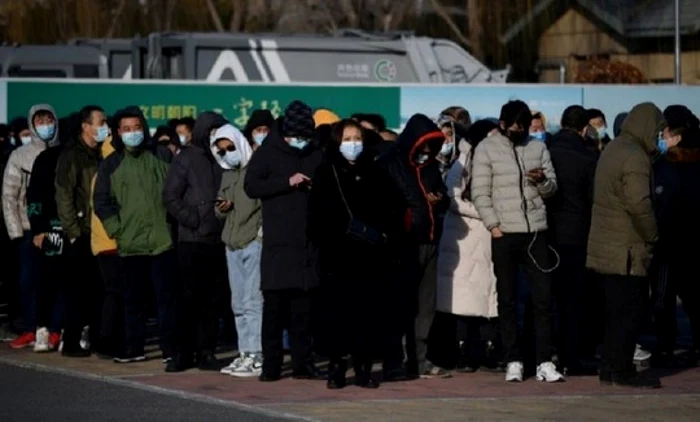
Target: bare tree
{"points": [[238, 14], [445, 16], [214, 13], [116, 19], [475, 19]]}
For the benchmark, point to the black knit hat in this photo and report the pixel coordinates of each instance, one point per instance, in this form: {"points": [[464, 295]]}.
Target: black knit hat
{"points": [[298, 121]]}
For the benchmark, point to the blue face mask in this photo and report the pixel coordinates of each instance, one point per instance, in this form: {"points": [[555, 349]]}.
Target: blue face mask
{"points": [[602, 132], [422, 159], [183, 140], [298, 143], [351, 150], [259, 138], [26, 140], [540, 136], [132, 139], [232, 158], [662, 146], [46, 132], [447, 149], [102, 133]]}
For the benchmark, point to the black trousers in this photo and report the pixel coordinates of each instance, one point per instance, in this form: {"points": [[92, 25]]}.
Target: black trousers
{"points": [[570, 284], [141, 274], [422, 273], [286, 308], [75, 277], [9, 276], [112, 312], [509, 253], [200, 267], [676, 280], [624, 313]]}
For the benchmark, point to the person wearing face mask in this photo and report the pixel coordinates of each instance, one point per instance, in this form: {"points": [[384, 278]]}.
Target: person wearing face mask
{"points": [[279, 174], [676, 203], [258, 126], [621, 241], [75, 169], [43, 133], [406, 166], [350, 190], [242, 236], [574, 157], [538, 127], [512, 175], [189, 193], [128, 200], [184, 128], [597, 120]]}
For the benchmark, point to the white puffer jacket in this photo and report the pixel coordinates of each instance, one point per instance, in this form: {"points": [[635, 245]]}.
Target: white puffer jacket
{"points": [[501, 191], [17, 174]]}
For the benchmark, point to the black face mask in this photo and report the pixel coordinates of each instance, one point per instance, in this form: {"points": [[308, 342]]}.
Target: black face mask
{"points": [[517, 137]]}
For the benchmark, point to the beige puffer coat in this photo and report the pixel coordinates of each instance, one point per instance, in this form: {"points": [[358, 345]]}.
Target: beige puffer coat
{"points": [[501, 191]]}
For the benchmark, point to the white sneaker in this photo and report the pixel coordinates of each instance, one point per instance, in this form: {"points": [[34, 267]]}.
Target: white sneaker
{"points": [[640, 355], [251, 367], [85, 338], [41, 344], [60, 345], [548, 372], [514, 372], [229, 370]]}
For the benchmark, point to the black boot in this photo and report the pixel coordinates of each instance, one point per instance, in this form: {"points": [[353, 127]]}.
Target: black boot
{"points": [[180, 363], [363, 376], [336, 375], [308, 372], [493, 361], [467, 358]]}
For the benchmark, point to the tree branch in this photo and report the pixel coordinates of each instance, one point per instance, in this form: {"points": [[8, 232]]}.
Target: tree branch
{"points": [[116, 19], [445, 16], [215, 16]]}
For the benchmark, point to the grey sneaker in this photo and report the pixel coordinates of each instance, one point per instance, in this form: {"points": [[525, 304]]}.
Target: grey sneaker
{"points": [[229, 370], [251, 367], [430, 371]]}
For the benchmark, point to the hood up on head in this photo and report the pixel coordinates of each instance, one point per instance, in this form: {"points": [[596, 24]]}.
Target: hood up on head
{"points": [[617, 124], [643, 124], [132, 111], [30, 122], [419, 131], [205, 122], [259, 118], [229, 132], [478, 131]]}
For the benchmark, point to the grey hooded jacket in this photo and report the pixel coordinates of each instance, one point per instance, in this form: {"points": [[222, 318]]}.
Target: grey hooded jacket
{"points": [[17, 174]]}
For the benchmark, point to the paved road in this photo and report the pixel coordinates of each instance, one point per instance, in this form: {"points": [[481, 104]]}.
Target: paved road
{"points": [[31, 395]]}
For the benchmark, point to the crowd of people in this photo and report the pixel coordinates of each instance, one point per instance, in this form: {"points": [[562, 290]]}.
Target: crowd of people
{"points": [[488, 245]]}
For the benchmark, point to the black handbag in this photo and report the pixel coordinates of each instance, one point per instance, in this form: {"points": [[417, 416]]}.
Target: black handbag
{"points": [[357, 229]]}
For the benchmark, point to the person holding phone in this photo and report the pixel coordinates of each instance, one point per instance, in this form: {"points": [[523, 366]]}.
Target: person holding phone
{"points": [[279, 175], [512, 175]]}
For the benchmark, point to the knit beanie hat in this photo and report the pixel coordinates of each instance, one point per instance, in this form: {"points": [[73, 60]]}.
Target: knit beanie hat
{"points": [[298, 121]]}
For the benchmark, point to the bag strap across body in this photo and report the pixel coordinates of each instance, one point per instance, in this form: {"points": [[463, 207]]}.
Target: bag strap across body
{"points": [[342, 195]]}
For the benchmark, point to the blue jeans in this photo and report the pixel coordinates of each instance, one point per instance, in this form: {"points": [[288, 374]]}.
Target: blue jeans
{"points": [[246, 297]]}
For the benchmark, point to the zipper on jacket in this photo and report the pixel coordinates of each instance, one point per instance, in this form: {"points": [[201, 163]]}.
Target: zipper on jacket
{"points": [[430, 206], [522, 188]]}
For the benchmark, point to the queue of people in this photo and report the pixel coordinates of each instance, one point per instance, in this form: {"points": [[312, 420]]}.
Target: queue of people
{"points": [[527, 251]]}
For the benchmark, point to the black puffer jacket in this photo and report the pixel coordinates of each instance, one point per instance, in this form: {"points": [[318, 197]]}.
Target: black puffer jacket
{"points": [[289, 260], [410, 181], [569, 211]]}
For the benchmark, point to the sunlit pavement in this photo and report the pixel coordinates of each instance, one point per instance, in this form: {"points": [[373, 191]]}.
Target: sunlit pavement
{"points": [[479, 396]]}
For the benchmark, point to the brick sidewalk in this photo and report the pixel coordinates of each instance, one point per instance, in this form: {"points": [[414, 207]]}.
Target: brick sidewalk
{"points": [[477, 396]]}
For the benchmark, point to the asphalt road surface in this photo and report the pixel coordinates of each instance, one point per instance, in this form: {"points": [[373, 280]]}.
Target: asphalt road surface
{"points": [[33, 395]]}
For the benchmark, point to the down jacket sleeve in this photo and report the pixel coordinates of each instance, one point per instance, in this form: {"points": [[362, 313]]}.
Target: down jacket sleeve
{"points": [[482, 184], [66, 181], [11, 207], [636, 197], [173, 195], [455, 188], [106, 205], [259, 181], [548, 188]]}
